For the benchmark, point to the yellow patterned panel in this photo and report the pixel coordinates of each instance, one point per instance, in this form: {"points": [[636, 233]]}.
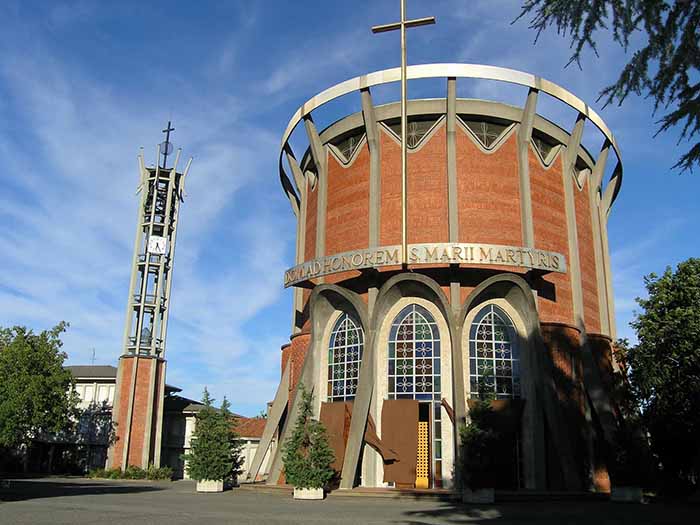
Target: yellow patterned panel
{"points": [[423, 456]]}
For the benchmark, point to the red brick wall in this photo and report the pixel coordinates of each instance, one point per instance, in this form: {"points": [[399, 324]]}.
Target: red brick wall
{"points": [[139, 416], [591, 312], [549, 221], [294, 353], [563, 344], [311, 210], [488, 210], [601, 350], [488, 193], [427, 191], [390, 215], [347, 216], [126, 365]]}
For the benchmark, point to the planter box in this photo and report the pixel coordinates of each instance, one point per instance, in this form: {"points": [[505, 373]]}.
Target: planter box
{"points": [[210, 485], [308, 493], [627, 495], [479, 496]]}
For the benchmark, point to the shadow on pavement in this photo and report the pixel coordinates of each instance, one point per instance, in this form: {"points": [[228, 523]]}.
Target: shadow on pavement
{"points": [[600, 513], [35, 488]]}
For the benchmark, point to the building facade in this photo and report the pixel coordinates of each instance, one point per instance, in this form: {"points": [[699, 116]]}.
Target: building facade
{"points": [[504, 289]]}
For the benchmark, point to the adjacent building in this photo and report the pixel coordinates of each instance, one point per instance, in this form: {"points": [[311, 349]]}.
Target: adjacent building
{"points": [[87, 447]]}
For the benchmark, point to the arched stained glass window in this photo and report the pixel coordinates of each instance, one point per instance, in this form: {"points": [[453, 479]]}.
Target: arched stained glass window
{"points": [[344, 358], [414, 355], [414, 369], [494, 358]]}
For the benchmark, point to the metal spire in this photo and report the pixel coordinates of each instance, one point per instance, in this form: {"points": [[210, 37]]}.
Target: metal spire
{"points": [[166, 147]]}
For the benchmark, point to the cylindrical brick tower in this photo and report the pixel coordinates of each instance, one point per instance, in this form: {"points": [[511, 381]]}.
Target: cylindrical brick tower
{"points": [[506, 291]]}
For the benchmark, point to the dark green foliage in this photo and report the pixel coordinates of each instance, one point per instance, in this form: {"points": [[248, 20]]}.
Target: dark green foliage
{"points": [[665, 68], [151, 473], [214, 447], [478, 442], [307, 456], [36, 392], [664, 371]]}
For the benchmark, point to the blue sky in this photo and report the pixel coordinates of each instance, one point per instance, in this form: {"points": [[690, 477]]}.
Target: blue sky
{"points": [[83, 85]]}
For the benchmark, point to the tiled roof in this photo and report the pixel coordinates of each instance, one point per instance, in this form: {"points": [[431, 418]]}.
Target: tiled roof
{"points": [[175, 403], [91, 371], [250, 427], [81, 372]]}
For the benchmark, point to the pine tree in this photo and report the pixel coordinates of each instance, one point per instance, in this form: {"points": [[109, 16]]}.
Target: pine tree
{"points": [[665, 68], [215, 451], [307, 456]]}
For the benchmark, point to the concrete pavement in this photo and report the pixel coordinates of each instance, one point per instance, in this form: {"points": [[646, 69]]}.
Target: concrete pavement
{"points": [[58, 501]]}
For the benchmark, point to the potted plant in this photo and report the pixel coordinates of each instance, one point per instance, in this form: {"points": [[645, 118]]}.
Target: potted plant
{"points": [[629, 468], [214, 456], [307, 456], [477, 466]]}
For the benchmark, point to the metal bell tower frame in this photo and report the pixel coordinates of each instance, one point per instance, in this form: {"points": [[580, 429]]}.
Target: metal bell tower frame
{"points": [[138, 404]]}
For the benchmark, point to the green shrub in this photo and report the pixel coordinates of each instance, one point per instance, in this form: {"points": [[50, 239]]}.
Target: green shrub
{"points": [[133, 472], [97, 473], [151, 473], [477, 441], [159, 473], [307, 456]]}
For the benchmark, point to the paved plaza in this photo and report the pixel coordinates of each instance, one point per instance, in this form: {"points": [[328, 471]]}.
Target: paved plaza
{"points": [[75, 501]]}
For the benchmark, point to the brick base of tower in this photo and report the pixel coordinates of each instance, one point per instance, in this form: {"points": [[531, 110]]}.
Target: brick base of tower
{"points": [[138, 412]]}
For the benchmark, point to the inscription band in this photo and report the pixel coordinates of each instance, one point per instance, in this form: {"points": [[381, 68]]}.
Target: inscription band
{"points": [[432, 253]]}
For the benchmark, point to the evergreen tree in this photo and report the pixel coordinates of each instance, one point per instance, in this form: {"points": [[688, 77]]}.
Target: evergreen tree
{"points": [[665, 68], [477, 441], [307, 456], [215, 452]]}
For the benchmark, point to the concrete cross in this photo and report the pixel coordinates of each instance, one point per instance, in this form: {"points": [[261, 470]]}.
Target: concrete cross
{"points": [[402, 25]]}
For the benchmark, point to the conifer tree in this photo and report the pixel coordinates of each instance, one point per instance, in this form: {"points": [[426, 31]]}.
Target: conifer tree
{"points": [[307, 456], [664, 68], [215, 452]]}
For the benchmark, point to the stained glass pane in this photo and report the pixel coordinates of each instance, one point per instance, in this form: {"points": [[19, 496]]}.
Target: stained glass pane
{"points": [[344, 359], [486, 132], [416, 130], [494, 343], [349, 145], [543, 147]]}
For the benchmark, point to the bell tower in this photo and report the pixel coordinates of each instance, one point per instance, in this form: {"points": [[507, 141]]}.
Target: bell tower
{"points": [[138, 402]]}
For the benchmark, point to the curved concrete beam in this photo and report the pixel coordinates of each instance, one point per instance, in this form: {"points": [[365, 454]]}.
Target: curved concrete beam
{"points": [[457, 71]]}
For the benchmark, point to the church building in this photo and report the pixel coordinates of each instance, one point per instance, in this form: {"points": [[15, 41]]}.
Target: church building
{"points": [[485, 271]]}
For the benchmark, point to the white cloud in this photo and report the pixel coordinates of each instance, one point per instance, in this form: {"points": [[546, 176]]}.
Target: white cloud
{"points": [[68, 224]]}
